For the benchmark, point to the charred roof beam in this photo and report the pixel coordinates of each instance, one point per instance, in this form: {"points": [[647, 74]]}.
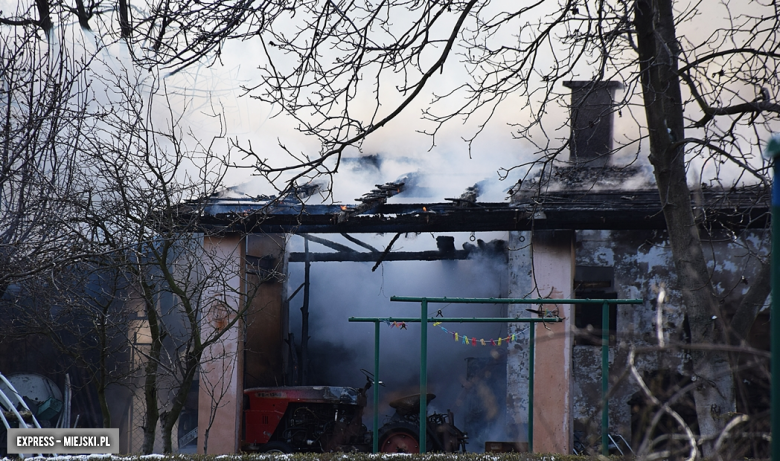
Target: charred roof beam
{"points": [[608, 210]]}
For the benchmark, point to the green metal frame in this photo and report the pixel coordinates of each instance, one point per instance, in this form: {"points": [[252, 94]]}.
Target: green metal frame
{"points": [[424, 362], [772, 151], [423, 319]]}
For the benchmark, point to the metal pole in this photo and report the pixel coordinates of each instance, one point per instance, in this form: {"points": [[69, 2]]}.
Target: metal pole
{"points": [[423, 372], [423, 358], [303, 371], [532, 353], [605, 379], [515, 300], [773, 152], [457, 319], [775, 312], [375, 448], [424, 339]]}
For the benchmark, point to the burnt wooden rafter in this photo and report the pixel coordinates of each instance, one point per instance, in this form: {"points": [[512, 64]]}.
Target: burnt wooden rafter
{"points": [[605, 210], [433, 255]]}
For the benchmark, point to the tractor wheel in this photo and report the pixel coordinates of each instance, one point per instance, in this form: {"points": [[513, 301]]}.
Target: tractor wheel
{"points": [[276, 447], [398, 439]]}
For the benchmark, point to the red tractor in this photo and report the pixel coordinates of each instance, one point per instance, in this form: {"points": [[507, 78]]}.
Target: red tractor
{"points": [[328, 419]]}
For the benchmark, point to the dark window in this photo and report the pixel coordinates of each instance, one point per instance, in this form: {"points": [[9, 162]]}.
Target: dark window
{"points": [[593, 283], [587, 319]]}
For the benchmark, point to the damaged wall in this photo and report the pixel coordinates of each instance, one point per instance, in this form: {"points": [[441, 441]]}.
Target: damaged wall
{"points": [[643, 268], [541, 265], [640, 265]]}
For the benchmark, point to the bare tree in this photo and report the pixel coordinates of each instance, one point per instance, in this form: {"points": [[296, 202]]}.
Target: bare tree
{"points": [[95, 164], [146, 166], [43, 104], [702, 92], [46, 250], [79, 309], [107, 18], [701, 85]]}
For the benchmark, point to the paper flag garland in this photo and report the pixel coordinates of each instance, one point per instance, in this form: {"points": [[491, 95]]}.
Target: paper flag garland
{"points": [[463, 338]]}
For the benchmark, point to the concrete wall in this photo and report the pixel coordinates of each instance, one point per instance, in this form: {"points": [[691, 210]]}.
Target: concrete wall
{"points": [[221, 380], [520, 286], [251, 353], [266, 321], [568, 374], [644, 268], [549, 275]]}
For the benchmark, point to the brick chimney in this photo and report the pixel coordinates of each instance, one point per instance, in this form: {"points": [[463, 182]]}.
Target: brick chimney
{"points": [[592, 106]]}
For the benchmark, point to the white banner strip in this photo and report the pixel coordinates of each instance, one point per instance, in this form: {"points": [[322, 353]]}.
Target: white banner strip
{"points": [[63, 441]]}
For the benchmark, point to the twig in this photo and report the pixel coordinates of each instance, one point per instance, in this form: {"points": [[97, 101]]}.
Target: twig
{"points": [[384, 253]]}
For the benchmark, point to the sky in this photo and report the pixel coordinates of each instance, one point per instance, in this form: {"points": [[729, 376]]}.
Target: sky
{"points": [[446, 168]]}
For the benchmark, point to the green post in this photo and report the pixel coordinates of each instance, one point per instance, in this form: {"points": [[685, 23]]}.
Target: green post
{"points": [[375, 448], [531, 354], [423, 372], [773, 152], [605, 378]]}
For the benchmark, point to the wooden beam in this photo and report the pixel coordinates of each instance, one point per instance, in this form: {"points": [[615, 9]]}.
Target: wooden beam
{"points": [[604, 210], [328, 243], [297, 257], [359, 242]]}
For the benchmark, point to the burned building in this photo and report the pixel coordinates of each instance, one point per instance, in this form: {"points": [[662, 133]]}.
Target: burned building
{"points": [[578, 230]]}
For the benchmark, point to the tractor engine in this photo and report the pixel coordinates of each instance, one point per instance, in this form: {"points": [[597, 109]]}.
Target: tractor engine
{"points": [[323, 427], [305, 419]]}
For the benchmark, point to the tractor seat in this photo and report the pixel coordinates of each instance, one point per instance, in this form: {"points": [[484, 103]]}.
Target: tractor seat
{"points": [[409, 405]]}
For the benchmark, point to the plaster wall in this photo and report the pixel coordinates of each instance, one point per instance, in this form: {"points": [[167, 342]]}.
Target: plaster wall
{"points": [[520, 285], [544, 270], [644, 268], [251, 353], [220, 396], [267, 318]]}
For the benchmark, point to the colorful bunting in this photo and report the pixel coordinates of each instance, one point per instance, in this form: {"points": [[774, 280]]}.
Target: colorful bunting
{"points": [[463, 338]]}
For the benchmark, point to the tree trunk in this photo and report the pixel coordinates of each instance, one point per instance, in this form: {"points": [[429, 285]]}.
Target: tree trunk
{"points": [[124, 20], [658, 50], [104, 410], [81, 13], [102, 372], [150, 381], [172, 416], [44, 21], [750, 306]]}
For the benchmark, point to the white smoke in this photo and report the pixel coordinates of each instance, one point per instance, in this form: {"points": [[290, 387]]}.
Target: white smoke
{"points": [[340, 290]]}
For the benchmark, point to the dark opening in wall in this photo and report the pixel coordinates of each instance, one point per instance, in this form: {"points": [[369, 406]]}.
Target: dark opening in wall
{"points": [[592, 282], [587, 318]]}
